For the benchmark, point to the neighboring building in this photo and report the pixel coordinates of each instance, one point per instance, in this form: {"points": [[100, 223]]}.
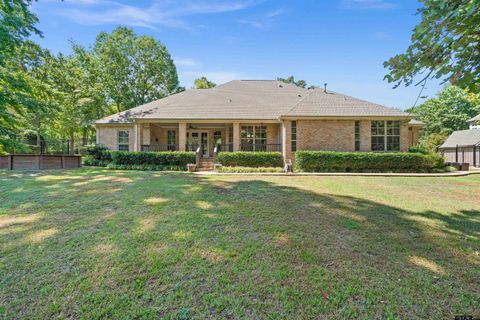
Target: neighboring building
{"points": [[463, 145], [474, 123], [256, 115]]}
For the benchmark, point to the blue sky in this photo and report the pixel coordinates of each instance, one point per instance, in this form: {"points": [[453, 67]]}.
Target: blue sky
{"points": [[341, 42]]}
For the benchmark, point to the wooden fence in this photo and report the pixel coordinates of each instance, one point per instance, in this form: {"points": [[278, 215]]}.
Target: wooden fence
{"points": [[462, 154], [39, 162]]}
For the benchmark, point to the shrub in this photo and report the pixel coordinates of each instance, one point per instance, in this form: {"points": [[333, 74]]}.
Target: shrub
{"points": [[250, 159], [438, 161], [144, 167], [167, 158], [97, 152], [91, 161], [249, 169], [328, 161]]}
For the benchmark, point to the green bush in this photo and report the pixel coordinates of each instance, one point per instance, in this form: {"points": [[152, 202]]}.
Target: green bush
{"points": [[419, 149], [250, 159], [438, 161], [249, 169], [97, 152], [91, 161], [328, 161], [167, 158], [145, 167]]}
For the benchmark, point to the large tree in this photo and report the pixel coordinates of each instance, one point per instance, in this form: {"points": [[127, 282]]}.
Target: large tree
{"points": [[204, 83], [16, 24], [134, 69], [445, 45], [444, 114]]}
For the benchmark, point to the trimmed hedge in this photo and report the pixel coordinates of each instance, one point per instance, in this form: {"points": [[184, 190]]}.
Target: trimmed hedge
{"points": [[167, 158], [329, 161], [250, 159], [145, 167], [249, 169]]}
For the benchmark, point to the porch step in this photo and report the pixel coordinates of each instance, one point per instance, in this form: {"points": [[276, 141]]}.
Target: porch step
{"points": [[206, 164]]}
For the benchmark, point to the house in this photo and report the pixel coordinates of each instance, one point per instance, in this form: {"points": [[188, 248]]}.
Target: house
{"points": [[259, 115], [463, 145]]}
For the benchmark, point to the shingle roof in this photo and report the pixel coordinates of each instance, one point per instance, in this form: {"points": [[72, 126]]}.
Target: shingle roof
{"points": [[477, 118], [462, 138], [252, 100], [415, 122]]}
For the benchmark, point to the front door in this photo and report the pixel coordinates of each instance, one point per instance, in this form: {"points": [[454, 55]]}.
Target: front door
{"points": [[197, 137]]}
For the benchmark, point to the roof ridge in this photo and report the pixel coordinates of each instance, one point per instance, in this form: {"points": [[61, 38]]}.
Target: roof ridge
{"points": [[300, 100]]}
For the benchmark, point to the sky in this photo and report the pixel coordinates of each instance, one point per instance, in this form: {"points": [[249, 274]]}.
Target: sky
{"points": [[339, 42]]}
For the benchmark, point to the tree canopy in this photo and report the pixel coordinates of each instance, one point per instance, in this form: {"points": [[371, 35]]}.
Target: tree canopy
{"points": [[298, 83], [446, 113], [134, 69], [203, 83], [445, 45], [57, 97]]}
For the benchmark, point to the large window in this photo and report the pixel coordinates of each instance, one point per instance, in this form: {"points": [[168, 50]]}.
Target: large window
{"points": [[123, 140], [171, 140], [385, 135], [357, 135], [294, 136], [253, 138]]}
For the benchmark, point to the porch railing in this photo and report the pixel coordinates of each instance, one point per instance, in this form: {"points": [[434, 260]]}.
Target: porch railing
{"points": [[159, 147], [269, 147]]}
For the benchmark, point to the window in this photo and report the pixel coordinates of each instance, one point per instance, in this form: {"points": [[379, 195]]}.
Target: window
{"points": [[357, 135], [294, 136], [253, 138], [217, 137], [171, 140], [230, 135], [385, 135], [123, 140]]}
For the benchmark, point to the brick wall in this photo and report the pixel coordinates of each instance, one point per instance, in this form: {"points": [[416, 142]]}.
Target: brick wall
{"points": [[332, 135], [108, 136]]}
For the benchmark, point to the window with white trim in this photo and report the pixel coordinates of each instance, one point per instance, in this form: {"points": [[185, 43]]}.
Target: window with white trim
{"points": [[294, 136], [253, 138], [386, 135], [123, 140]]}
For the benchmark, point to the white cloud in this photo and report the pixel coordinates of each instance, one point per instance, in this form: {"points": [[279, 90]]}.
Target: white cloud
{"points": [[262, 21], [166, 13], [368, 4], [185, 62]]}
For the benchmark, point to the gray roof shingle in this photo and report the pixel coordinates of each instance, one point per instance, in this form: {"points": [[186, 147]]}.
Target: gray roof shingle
{"points": [[462, 138], [252, 100]]}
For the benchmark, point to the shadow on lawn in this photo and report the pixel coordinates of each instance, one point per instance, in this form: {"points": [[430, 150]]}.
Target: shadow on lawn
{"points": [[248, 248]]}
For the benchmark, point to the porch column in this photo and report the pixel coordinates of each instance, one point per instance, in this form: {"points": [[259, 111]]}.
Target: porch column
{"points": [[286, 139], [182, 135], [136, 137], [236, 136], [146, 134]]}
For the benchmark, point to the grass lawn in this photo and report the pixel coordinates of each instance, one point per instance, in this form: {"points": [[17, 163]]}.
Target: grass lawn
{"points": [[94, 243]]}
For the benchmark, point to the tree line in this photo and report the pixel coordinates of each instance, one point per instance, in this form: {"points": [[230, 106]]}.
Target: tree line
{"points": [[48, 97]]}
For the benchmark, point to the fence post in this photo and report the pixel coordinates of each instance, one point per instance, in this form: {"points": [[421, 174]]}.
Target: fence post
{"points": [[456, 153], [474, 155]]}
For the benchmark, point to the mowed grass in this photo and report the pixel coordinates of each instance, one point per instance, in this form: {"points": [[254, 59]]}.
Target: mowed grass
{"points": [[93, 243]]}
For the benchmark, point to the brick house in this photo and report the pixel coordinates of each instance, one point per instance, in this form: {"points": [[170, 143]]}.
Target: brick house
{"points": [[256, 115]]}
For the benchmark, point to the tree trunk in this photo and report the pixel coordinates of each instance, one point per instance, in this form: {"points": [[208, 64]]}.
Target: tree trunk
{"points": [[71, 143], [37, 128]]}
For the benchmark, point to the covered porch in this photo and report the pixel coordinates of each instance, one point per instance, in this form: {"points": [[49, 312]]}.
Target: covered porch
{"points": [[211, 136]]}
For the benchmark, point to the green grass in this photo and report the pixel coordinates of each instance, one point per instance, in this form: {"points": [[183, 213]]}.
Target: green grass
{"points": [[97, 243]]}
